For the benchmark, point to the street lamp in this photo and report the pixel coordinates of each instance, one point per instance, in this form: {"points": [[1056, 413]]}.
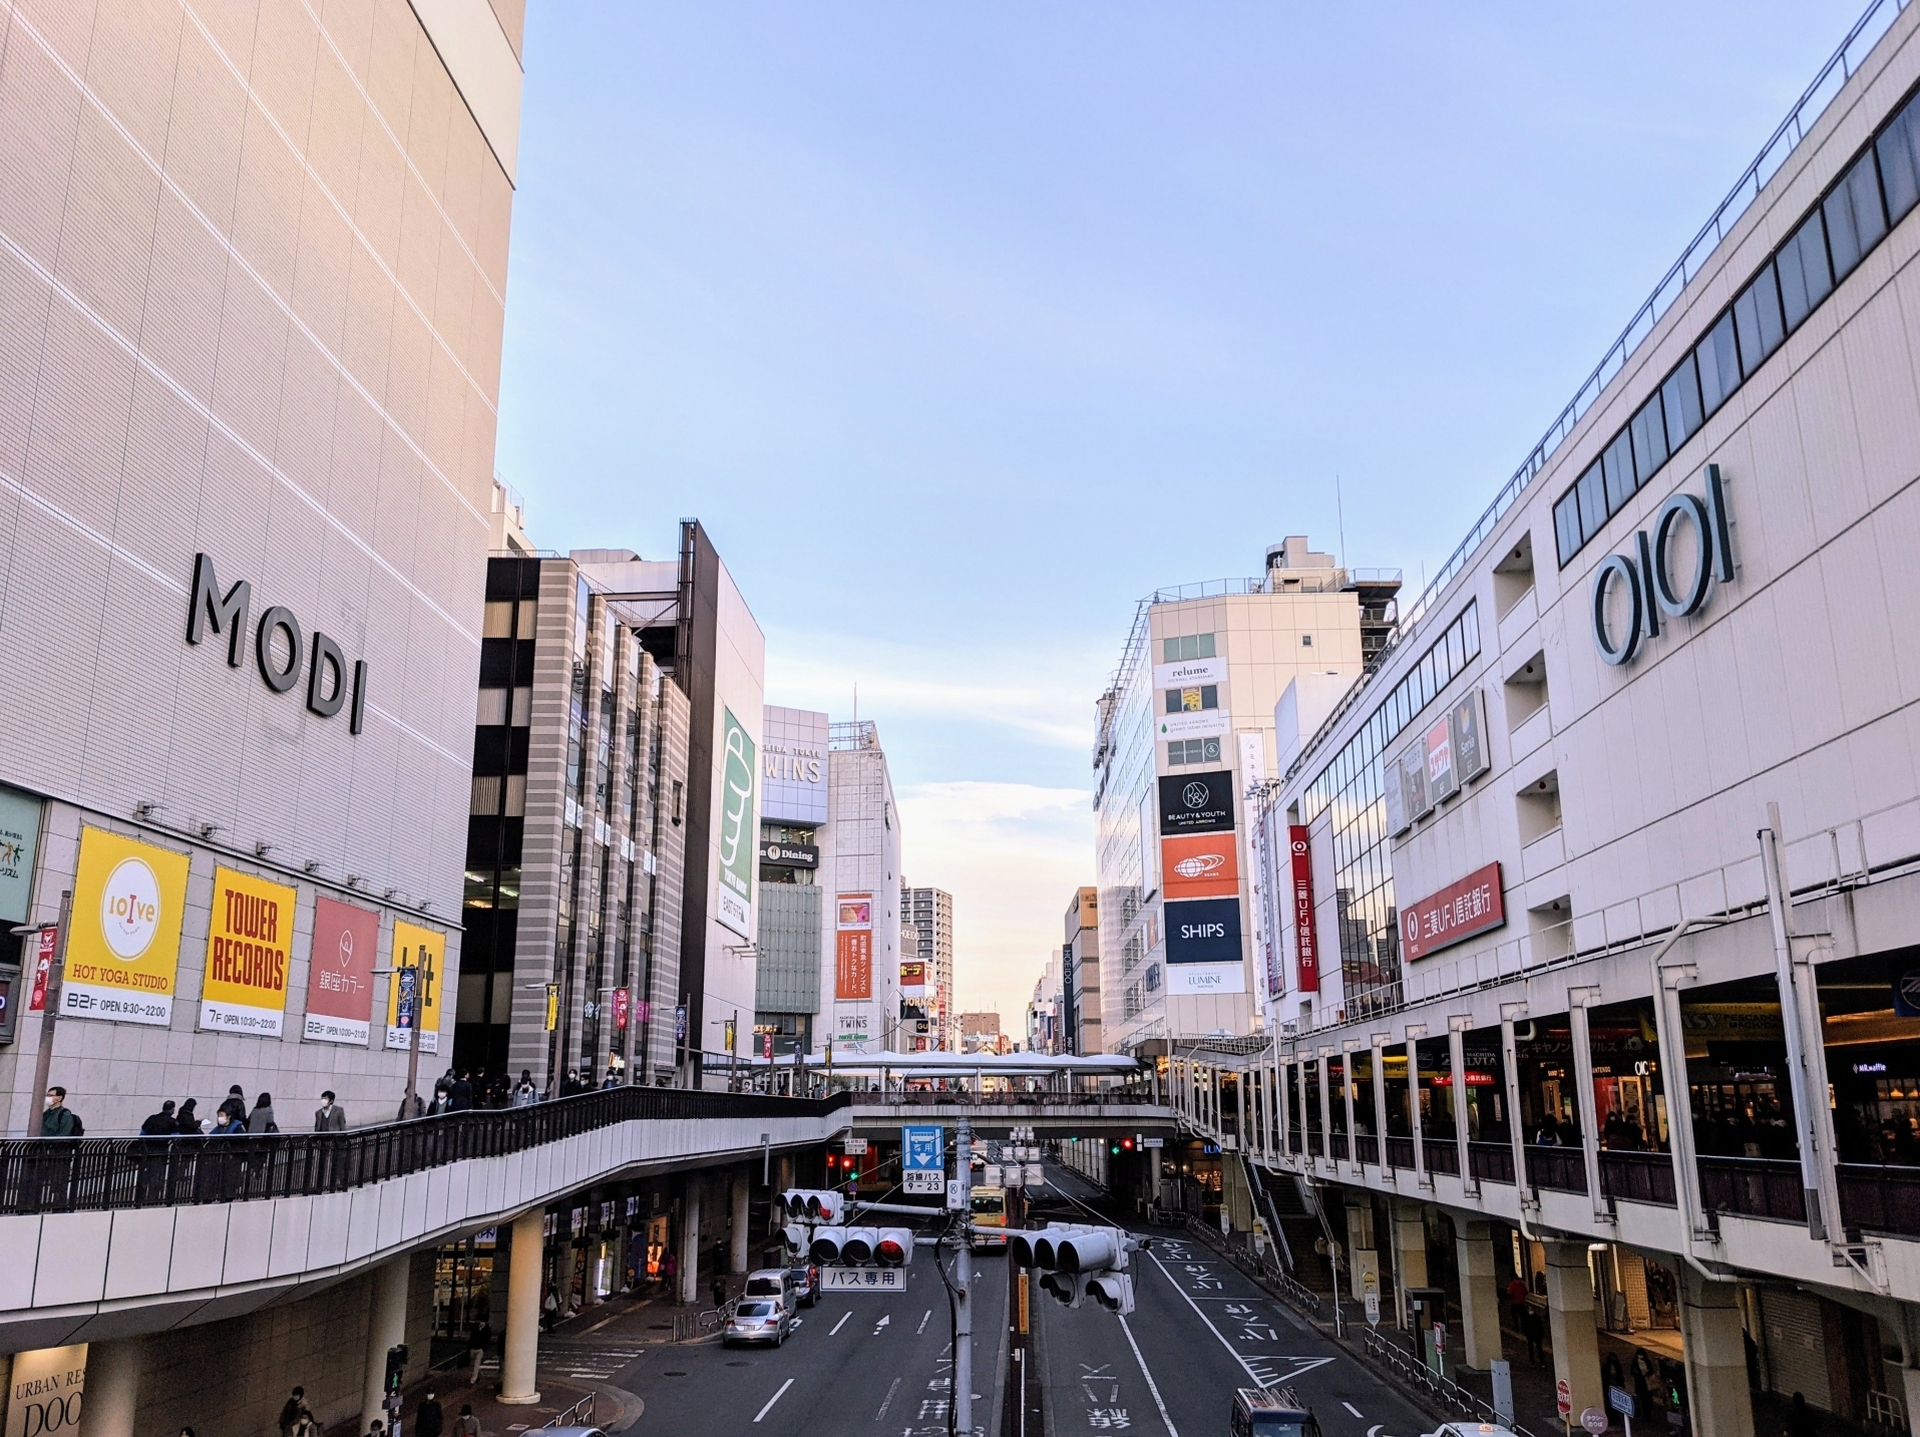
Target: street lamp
{"points": [[50, 1010]]}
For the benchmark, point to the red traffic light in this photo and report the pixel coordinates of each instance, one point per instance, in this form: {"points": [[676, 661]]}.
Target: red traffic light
{"points": [[1127, 1143]]}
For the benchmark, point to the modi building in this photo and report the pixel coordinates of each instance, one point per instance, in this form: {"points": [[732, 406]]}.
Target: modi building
{"points": [[1607, 870]]}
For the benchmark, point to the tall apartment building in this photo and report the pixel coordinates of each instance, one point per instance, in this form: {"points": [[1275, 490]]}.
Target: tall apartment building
{"points": [[254, 270], [1080, 973], [930, 910], [860, 967], [1185, 731]]}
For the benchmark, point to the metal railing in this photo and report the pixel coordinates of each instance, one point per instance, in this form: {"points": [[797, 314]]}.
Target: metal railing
{"points": [[1637, 1176], [1753, 1187], [1556, 1168], [1419, 1375], [1878, 1198], [97, 1174], [575, 1416]]}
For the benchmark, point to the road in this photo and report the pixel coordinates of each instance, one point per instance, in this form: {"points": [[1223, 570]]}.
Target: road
{"points": [[879, 1366]]}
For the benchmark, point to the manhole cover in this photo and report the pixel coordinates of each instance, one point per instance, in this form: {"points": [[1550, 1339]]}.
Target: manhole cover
{"points": [[674, 1374]]}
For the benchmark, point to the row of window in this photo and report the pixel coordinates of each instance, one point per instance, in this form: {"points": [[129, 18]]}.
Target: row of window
{"points": [[1194, 700], [1185, 751], [1875, 193], [1187, 646]]}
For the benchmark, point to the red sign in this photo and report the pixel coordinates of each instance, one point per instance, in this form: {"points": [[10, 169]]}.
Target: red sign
{"points": [[1454, 914], [1306, 944], [43, 970], [340, 964], [1200, 865], [766, 1045], [621, 999]]}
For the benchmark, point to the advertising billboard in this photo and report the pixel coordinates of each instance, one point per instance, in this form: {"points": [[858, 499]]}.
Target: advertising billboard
{"points": [[793, 766], [853, 946], [249, 952], [739, 831], [1200, 866], [19, 841], [340, 964], [1455, 913], [123, 956], [913, 980], [1306, 944], [1196, 802], [1205, 930], [426, 950]]}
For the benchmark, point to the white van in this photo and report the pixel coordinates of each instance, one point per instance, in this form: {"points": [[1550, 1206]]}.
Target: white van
{"points": [[773, 1282]]}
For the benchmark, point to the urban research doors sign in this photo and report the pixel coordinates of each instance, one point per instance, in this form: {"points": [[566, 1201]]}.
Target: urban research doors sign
{"points": [[853, 947], [123, 956], [19, 841], [739, 851], [426, 950], [249, 937], [346, 939]]}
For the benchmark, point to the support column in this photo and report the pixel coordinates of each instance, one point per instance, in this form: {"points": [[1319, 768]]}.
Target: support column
{"points": [[689, 1239], [1711, 1332], [1409, 1254], [1576, 1343], [1363, 1256], [1479, 1294], [1153, 1158], [742, 1188], [113, 1388], [520, 1352], [386, 1326]]}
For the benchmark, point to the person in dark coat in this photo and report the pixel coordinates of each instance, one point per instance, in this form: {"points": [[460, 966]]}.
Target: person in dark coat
{"points": [[162, 1124], [290, 1411], [59, 1120], [187, 1121], [262, 1120], [460, 1095], [329, 1117], [430, 1420]]}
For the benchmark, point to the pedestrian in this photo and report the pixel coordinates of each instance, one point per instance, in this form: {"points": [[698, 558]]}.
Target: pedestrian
{"points": [[549, 1310], [290, 1410], [162, 1124], [59, 1120], [1530, 1329], [236, 1098], [378, 1429], [478, 1340], [460, 1095], [1612, 1374], [670, 1270], [525, 1095], [1801, 1421], [262, 1119], [719, 1290], [429, 1420], [329, 1117], [1517, 1298], [187, 1121], [466, 1424]]}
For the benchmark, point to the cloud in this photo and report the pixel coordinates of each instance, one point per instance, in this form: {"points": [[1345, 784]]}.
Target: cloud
{"points": [[1011, 854]]}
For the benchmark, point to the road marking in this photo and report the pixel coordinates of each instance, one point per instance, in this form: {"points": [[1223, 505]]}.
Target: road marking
{"points": [[923, 1323], [602, 1323], [1354, 1410], [841, 1323], [775, 1398], [1168, 1421], [1374, 1431], [1266, 1381], [889, 1402], [885, 1321]]}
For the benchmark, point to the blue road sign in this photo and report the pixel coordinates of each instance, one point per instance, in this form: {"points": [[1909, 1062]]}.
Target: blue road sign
{"points": [[923, 1148]]}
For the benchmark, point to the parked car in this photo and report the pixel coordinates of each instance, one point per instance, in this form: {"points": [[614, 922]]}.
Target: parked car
{"points": [[774, 1283], [758, 1319], [804, 1279]]}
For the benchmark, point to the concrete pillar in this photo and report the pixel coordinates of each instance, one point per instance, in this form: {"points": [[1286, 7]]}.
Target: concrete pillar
{"points": [[1711, 1333], [386, 1326], [1363, 1257], [113, 1388], [520, 1353], [1480, 1296], [1409, 1254], [1153, 1159], [783, 1171], [742, 1188], [690, 1239], [1910, 1389], [1576, 1343]]}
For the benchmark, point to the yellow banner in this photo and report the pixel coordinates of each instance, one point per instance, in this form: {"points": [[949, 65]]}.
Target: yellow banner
{"points": [[249, 943], [123, 956], [425, 949]]}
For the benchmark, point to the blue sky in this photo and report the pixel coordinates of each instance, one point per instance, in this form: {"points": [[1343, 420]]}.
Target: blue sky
{"points": [[961, 328]]}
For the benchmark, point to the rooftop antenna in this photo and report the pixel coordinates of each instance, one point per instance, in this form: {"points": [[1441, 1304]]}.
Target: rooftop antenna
{"points": [[1340, 509], [856, 701]]}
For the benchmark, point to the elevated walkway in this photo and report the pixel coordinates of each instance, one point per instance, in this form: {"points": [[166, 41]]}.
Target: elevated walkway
{"points": [[1049, 1114]]}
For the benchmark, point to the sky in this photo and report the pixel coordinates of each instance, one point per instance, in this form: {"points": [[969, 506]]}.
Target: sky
{"points": [[961, 328]]}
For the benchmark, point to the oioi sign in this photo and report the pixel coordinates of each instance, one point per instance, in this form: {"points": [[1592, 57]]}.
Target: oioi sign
{"points": [[1646, 579]]}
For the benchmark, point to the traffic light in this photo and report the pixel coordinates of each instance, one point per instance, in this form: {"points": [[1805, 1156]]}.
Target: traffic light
{"points": [[1127, 1143], [1078, 1261], [895, 1248], [827, 1243], [858, 1245], [396, 1366], [812, 1204]]}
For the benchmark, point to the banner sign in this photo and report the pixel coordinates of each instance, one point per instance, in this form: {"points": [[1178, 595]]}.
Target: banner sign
{"points": [[853, 947], [47, 1391], [738, 848], [123, 957], [424, 950], [249, 942], [1196, 802], [19, 842], [1454, 914], [622, 999], [340, 963], [913, 980], [1200, 866], [863, 1279], [1206, 930], [43, 969], [1306, 944]]}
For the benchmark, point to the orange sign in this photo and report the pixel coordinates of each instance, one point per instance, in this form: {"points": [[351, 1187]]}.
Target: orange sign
{"points": [[853, 947], [1200, 865]]}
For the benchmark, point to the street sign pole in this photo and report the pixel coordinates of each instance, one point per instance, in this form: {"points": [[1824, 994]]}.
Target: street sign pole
{"points": [[962, 1294], [50, 1013]]}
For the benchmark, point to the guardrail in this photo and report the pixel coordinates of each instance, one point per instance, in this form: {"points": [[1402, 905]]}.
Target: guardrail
{"points": [[1295, 1292], [1418, 1374], [575, 1416], [95, 1174]]}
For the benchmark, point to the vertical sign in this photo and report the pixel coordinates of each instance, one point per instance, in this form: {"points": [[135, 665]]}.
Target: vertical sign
{"points": [[425, 951], [621, 1000], [853, 947], [738, 852], [249, 948], [43, 969], [1306, 944], [123, 956], [19, 841], [346, 940]]}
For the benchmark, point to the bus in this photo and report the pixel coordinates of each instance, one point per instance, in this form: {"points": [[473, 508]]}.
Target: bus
{"points": [[989, 1217]]}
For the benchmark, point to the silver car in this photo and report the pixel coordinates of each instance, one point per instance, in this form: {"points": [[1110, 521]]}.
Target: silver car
{"points": [[758, 1319]]}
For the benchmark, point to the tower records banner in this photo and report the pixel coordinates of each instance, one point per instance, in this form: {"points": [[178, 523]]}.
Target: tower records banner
{"points": [[346, 940], [426, 949], [123, 956], [853, 947], [249, 941]]}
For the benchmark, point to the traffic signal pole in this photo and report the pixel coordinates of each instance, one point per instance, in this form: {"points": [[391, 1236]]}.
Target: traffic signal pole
{"points": [[963, 1288]]}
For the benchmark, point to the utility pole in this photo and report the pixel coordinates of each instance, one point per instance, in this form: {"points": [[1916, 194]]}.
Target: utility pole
{"points": [[50, 1013], [963, 1288]]}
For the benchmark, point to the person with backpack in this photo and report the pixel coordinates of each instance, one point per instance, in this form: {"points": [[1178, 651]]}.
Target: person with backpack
{"points": [[59, 1120], [262, 1120]]}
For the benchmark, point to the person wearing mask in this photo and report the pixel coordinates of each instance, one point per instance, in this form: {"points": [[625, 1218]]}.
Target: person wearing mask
{"points": [[290, 1411], [233, 1122], [525, 1095], [59, 1120], [466, 1424], [329, 1117], [262, 1119], [187, 1121], [162, 1124], [430, 1419]]}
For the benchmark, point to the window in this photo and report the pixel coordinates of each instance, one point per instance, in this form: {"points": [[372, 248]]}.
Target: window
{"points": [[1566, 526], [1899, 149], [1190, 646], [1618, 464], [1719, 364], [1855, 221], [1756, 318], [1804, 277], [1592, 489], [1185, 751], [1649, 431], [1194, 700], [1680, 399]]}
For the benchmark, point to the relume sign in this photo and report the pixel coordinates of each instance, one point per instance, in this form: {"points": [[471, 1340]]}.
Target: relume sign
{"points": [[1645, 579], [328, 683]]}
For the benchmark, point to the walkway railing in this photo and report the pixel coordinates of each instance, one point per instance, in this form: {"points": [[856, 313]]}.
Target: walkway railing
{"points": [[1392, 1355], [95, 1174]]}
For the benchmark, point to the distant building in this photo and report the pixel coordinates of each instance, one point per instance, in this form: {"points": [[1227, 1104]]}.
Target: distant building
{"points": [[930, 910], [980, 1032], [1080, 975]]}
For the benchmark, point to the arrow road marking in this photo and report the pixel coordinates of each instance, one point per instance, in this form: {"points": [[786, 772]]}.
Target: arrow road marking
{"points": [[1167, 1421], [775, 1398], [883, 1322], [841, 1323]]}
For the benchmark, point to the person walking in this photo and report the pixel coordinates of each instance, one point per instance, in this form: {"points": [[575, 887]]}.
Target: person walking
{"points": [[719, 1291], [429, 1419], [59, 1120], [290, 1411], [187, 1121], [1530, 1329], [162, 1124], [525, 1095], [478, 1340], [466, 1424], [329, 1117], [262, 1119]]}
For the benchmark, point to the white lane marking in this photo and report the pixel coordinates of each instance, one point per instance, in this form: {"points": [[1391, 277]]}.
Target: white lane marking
{"points": [[842, 1322], [1168, 1421], [775, 1398], [1354, 1410], [1209, 1321], [1374, 1431], [923, 1323], [889, 1402], [885, 1321]]}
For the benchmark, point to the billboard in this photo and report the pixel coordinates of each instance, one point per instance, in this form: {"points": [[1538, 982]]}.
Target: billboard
{"points": [[340, 963], [1306, 944], [1455, 913], [738, 829], [1205, 930], [1196, 802], [793, 766], [424, 949], [123, 956], [913, 980], [1200, 866], [19, 841], [249, 951], [853, 946]]}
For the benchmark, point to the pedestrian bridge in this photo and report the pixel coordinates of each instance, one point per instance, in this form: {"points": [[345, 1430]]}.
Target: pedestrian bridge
{"points": [[1104, 1113]]}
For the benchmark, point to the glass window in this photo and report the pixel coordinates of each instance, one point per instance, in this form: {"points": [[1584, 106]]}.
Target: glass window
{"points": [[1804, 277], [1170, 651], [1680, 399], [1203, 646], [1756, 317], [1899, 149], [1566, 526], [1470, 626], [1649, 430], [1719, 364], [1593, 502], [492, 709], [1617, 461], [497, 621], [1187, 646], [1855, 220]]}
